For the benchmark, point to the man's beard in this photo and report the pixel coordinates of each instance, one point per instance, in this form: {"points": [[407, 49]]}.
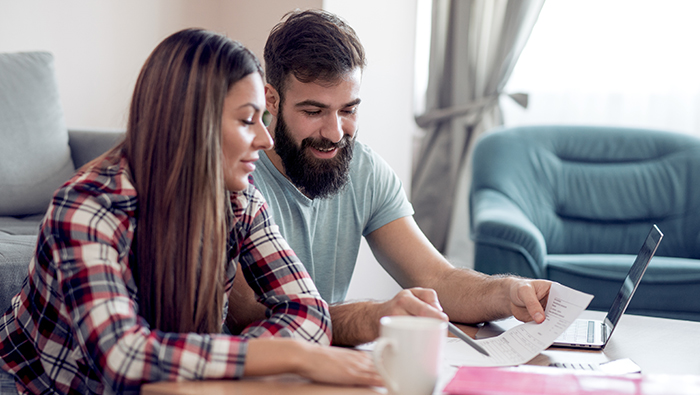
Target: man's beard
{"points": [[315, 178]]}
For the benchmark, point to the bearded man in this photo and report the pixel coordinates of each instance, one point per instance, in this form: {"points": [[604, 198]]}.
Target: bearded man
{"points": [[326, 191]]}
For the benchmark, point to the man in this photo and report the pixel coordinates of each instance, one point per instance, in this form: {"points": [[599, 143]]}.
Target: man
{"points": [[326, 190]]}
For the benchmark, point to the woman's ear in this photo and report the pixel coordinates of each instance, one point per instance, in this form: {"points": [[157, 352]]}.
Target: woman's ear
{"points": [[272, 100]]}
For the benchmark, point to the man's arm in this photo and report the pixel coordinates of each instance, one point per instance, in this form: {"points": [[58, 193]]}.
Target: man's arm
{"points": [[466, 295]]}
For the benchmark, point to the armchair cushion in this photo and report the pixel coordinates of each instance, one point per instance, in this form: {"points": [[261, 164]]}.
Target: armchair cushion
{"points": [[503, 225], [35, 158]]}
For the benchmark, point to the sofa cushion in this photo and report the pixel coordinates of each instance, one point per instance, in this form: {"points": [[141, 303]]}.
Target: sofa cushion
{"points": [[35, 158], [15, 254], [24, 226]]}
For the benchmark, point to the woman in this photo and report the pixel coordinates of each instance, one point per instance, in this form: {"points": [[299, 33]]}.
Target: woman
{"points": [[138, 250]]}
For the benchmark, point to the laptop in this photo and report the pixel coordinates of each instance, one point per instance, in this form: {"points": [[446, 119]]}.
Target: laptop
{"points": [[594, 334]]}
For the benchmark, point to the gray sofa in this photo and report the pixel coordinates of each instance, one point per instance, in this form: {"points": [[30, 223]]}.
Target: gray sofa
{"points": [[37, 155]]}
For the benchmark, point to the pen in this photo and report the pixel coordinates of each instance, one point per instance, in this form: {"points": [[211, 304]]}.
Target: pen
{"points": [[458, 332]]}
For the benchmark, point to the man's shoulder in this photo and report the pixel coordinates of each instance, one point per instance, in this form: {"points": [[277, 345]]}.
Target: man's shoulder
{"points": [[368, 163], [365, 158]]}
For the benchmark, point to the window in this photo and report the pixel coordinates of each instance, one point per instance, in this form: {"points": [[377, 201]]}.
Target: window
{"points": [[611, 62]]}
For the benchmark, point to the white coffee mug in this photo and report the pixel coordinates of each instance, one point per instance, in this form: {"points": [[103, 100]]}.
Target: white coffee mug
{"points": [[408, 353]]}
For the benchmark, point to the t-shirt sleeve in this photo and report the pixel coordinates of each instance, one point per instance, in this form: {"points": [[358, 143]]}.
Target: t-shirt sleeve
{"points": [[387, 198]]}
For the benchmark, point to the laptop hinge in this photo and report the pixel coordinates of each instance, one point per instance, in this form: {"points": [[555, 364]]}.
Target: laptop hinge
{"points": [[604, 332]]}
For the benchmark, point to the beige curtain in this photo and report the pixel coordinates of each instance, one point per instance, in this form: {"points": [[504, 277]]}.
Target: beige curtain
{"points": [[475, 45]]}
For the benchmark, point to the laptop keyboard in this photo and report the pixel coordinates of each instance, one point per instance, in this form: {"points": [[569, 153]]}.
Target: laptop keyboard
{"points": [[575, 366], [579, 331]]}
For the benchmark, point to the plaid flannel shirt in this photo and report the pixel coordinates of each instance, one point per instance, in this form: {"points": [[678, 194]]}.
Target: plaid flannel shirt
{"points": [[74, 327]]}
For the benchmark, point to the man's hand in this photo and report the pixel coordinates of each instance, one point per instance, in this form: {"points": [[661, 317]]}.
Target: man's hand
{"points": [[528, 298], [421, 302], [358, 322]]}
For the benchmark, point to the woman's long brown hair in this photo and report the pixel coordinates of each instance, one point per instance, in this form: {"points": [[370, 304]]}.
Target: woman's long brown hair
{"points": [[173, 147]]}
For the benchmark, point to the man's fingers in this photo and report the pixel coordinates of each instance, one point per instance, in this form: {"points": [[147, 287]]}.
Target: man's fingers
{"points": [[427, 295], [527, 295], [419, 302]]}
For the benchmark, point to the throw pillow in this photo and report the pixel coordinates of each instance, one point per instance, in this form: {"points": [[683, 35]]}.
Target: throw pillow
{"points": [[35, 158]]}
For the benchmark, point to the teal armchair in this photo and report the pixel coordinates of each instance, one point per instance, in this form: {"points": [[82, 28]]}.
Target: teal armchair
{"points": [[573, 204]]}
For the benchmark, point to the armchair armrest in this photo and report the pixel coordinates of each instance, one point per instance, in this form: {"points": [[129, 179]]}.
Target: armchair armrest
{"points": [[506, 241], [86, 145]]}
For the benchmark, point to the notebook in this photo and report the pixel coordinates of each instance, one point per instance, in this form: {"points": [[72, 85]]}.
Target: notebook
{"points": [[594, 334], [538, 380]]}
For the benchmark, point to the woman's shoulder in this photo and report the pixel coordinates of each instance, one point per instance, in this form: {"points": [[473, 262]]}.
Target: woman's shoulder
{"points": [[106, 182]]}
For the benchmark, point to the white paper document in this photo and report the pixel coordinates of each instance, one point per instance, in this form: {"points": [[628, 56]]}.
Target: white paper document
{"points": [[523, 342]]}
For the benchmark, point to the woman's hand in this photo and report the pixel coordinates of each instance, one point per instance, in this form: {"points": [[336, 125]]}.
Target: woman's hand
{"points": [[323, 364], [336, 365]]}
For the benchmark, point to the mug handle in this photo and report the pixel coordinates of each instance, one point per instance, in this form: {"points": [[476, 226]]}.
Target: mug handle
{"points": [[378, 357]]}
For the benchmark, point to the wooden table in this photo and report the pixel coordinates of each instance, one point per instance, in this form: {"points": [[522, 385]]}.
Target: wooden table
{"points": [[274, 385], [657, 345]]}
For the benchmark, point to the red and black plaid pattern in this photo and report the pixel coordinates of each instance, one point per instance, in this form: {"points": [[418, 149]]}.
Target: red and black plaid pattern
{"points": [[74, 327]]}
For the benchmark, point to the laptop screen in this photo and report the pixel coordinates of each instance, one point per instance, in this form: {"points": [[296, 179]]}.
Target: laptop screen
{"points": [[633, 278]]}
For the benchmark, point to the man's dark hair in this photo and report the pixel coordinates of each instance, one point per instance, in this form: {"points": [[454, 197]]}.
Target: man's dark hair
{"points": [[312, 45]]}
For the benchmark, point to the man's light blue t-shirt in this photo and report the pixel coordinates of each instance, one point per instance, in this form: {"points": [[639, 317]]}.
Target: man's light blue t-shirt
{"points": [[325, 233]]}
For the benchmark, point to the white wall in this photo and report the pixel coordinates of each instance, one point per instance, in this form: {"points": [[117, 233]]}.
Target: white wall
{"points": [[100, 46], [387, 31]]}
